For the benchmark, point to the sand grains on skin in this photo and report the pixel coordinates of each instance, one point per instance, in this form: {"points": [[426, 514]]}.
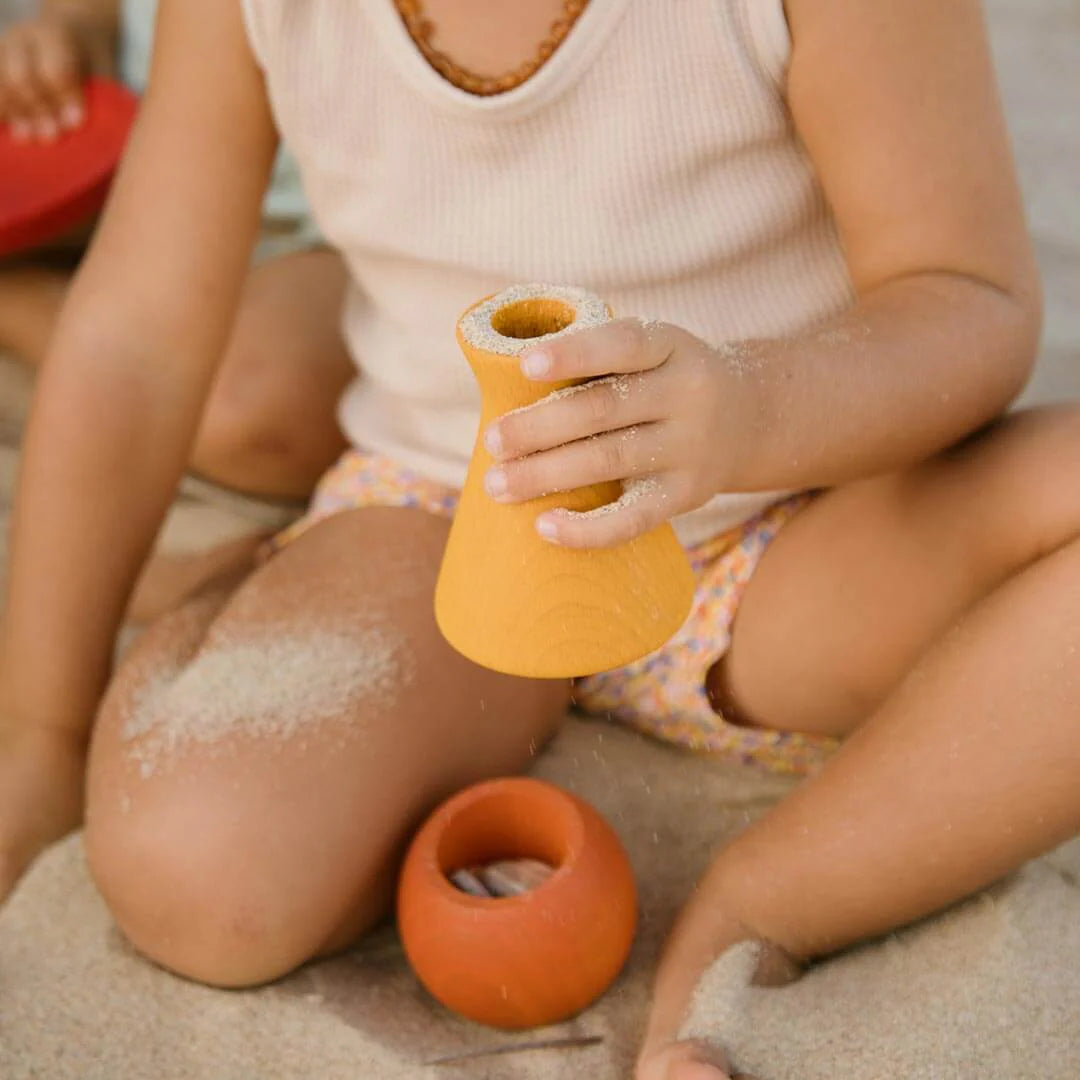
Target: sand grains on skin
{"points": [[620, 385], [273, 686], [634, 491]]}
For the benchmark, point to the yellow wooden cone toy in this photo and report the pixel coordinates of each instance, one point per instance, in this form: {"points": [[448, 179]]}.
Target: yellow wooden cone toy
{"points": [[512, 601]]}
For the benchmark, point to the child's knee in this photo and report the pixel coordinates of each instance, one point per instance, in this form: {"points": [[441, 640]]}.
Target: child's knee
{"points": [[249, 437], [1012, 480], [246, 423], [204, 891]]}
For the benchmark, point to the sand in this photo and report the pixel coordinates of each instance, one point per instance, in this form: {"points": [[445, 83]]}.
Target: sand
{"points": [[279, 686], [76, 1004], [634, 491], [991, 990]]}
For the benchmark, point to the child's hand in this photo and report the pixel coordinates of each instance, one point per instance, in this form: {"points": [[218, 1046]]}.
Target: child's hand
{"points": [[667, 419], [688, 1060], [41, 794], [42, 62]]}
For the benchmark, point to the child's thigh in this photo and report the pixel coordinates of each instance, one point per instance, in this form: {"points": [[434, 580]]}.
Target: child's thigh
{"points": [[259, 763], [288, 324], [269, 423], [861, 583], [30, 300]]}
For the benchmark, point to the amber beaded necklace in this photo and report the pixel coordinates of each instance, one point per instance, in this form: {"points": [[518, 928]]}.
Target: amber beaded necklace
{"points": [[420, 29]]}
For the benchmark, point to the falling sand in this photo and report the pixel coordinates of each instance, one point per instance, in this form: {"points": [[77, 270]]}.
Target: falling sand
{"points": [[278, 686]]}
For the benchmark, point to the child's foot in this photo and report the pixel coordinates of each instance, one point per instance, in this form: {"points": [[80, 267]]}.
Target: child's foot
{"points": [[41, 796]]}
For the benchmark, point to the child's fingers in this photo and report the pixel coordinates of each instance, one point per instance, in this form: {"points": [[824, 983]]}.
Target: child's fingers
{"points": [[646, 503], [616, 455], [622, 345], [39, 81], [59, 76], [607, 404], [18, 85]]}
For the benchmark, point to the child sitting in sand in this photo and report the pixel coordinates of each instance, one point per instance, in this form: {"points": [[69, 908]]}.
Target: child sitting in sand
{"points": [[812, 207], [285, 354]]}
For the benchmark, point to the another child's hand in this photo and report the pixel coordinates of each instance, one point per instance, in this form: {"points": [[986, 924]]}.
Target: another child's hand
{"points": [[42, 61], [668, 418]]}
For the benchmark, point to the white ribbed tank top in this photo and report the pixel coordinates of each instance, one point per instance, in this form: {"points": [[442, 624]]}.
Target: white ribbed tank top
{"points": [[651, 160]]}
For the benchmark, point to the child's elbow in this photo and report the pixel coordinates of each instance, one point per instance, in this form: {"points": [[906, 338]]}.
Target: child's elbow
{"points": [[1022, 326], [1006, 314]]}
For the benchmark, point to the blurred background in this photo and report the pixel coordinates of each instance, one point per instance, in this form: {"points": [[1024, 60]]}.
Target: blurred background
{"points": [[1037, 50]]}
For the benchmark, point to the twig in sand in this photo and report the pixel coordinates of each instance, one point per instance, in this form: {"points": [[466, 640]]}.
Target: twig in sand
{"points": [[577, 1042]]}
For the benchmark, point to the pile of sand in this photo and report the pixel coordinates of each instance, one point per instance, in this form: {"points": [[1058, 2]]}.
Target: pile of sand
{"points": [[992, 990]]}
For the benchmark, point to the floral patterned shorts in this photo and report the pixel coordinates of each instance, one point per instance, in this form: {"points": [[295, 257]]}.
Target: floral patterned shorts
{"points": [[662, 695]]}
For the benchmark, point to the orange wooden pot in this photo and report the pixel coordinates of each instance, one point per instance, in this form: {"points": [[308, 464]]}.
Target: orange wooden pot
{"points": [[526, 960], [512, 601]]}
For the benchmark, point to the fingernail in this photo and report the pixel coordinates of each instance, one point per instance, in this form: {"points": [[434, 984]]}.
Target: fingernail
{"points": [[546, 527], [495, 483], [71, 116], [21, 130], [47, 130], [536, 363], [493, 441]]}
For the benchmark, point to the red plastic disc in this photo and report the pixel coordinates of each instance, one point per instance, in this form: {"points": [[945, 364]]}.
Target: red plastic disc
{"points": [[47, 189]]}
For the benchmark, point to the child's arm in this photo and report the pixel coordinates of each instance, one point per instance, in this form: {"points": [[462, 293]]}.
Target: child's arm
{"points": [[121, 392], [43, 60], [897, 107]]}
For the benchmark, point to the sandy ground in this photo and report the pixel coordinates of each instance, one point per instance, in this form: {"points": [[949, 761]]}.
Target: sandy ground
{"points": [[991, 989]]}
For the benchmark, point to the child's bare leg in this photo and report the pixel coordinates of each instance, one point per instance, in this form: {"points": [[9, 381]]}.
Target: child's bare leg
{"points": [[42, 769], [270, 420], [30, 300], [237, 858], [168, 580], [968, 761], [270, 426]]}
